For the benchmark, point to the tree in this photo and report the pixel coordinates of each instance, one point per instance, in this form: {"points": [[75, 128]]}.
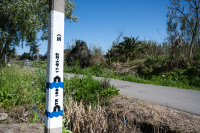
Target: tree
{"points": [[34, 48], [143, 48], [128, 47], [18, 57], [173, 33], [79, 52], [194, 7], [21, 20], [26, 56]]}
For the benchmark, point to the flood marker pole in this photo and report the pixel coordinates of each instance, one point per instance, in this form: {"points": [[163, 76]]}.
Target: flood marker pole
{"points": [[54, 85]]}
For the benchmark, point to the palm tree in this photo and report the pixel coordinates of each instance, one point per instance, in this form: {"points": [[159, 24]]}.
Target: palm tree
{"points": [[127, 47]]}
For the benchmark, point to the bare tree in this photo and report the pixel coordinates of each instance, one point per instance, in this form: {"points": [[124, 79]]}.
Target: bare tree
{"points": [[194, 6]]}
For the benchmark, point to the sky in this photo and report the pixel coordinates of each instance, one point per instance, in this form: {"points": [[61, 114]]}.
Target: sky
{"points": [[100, 22]]}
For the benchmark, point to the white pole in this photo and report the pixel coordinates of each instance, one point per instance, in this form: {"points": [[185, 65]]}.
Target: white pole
{"points": [[54, 85]]}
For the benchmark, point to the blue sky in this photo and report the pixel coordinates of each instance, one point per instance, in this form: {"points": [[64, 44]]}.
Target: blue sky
{"points": [[101, 20]]}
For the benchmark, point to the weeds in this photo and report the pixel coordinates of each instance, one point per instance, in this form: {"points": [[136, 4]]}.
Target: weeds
{"points": [[65, 126], [27, 87], [35, 117], [21, 87], [186, 79]]}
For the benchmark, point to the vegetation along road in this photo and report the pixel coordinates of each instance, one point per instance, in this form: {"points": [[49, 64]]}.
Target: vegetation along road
{"points": [[180, 99]]}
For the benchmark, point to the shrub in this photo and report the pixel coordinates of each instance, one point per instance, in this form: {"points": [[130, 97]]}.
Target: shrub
{"points": [[79, 52], [197, 57], [96, 70], [89, 89]]}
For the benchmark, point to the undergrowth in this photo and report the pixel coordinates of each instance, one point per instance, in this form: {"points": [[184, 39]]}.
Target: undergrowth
{"points": [[24, 87], [185, 78]]}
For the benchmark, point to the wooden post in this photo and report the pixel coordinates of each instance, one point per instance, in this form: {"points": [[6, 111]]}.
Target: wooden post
{"points": [[54, 85]]}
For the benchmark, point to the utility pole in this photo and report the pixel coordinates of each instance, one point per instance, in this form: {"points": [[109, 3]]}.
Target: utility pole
{"points": [[54, 85]]}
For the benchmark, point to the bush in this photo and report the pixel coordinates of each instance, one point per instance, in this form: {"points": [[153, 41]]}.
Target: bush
{"points": [[2, 65], [79, 52], [197, 57], [96, 70], [88, 89]]}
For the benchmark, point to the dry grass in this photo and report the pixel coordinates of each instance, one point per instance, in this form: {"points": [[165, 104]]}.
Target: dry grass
{"points": [[143, 117], [96, 60]]}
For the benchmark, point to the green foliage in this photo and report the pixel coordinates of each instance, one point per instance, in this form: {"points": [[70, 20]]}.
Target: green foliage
{"points": [[96, 51], [39, 64], [26, 56], [33, 48], [28, 17], [159, 74], [112, 59], [2, 65], [65, 126], [197, 57], [96, 70], [35, 117], [79, 52], [42, 80], [127, 47], [193, 76], [189, 76], [18, 87], [83, 89]]}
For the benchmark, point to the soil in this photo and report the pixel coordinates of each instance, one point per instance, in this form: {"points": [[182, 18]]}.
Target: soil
{"points": [[21, 128]]}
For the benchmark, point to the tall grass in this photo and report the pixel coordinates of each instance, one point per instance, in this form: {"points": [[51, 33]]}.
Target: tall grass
{"points": [[184, 79], [23, 86], [19, 86], [187, 78]]}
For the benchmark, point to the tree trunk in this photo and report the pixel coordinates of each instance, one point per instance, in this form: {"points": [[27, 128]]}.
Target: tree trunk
{"points": [[4, 51], [194, 34]]}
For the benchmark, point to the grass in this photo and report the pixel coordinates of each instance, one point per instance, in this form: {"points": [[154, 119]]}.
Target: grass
{"points": [[173, 79], [21, 86], [85, 90], [35, 117], [18, 87]]}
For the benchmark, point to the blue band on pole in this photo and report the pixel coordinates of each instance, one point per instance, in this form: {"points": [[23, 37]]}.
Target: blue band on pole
{"points": [[54, 114], [54, 85]]}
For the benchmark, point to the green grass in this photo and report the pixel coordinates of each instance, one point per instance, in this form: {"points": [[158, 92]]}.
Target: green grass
{"points": [[18, 87], [178, 79], [35, 117], [22, 86]]}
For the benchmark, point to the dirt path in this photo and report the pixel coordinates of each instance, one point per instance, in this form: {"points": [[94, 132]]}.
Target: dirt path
{"points": [[21, 128]]}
